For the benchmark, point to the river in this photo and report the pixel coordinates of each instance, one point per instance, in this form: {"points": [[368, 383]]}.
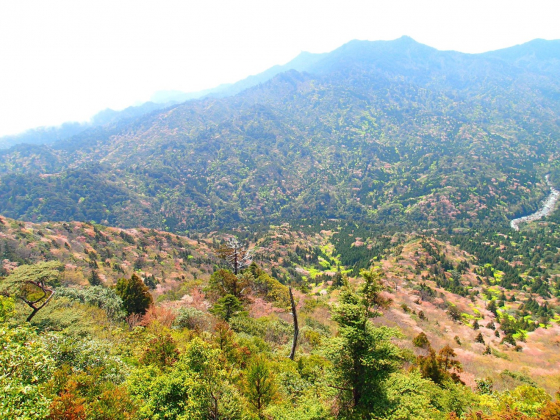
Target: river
{"points": [[546, 209]]}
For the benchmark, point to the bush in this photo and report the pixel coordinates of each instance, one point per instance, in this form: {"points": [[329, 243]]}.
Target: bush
{"points": [[421, 340], [101, 297], [25, 365], [191, 318]]}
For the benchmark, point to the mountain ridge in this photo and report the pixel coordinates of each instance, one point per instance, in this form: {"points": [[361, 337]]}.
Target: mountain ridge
{"points": [[353, 140]]}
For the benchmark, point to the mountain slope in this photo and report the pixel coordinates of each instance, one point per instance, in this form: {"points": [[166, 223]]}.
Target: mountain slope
{"points": [[393, 132]]}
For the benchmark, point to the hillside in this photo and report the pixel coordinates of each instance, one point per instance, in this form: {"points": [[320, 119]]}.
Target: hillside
{"points": [[423, 276], [374, 131]]}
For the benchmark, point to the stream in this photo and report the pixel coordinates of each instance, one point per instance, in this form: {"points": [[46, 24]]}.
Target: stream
{"points": [[546, 209]]}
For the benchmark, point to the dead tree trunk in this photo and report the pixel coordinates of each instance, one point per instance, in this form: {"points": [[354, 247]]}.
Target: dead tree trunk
{"points": [[296, 327]]}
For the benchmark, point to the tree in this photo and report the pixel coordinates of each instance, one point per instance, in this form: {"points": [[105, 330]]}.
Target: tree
{"points": [[227, 307], [224, 282], [440, 366], [33, 284], [479, 338], [235, 255], [260, 387], [492, 307], [362, 355], [134, 294], [454, 313], [94, 278], [197, 386], [161, 351]]}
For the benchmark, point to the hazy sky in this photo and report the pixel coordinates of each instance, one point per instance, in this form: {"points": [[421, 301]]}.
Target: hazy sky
{"points": [[66, 60]]}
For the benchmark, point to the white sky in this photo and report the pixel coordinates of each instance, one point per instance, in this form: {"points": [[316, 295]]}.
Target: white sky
{"points": [[66, 60]]}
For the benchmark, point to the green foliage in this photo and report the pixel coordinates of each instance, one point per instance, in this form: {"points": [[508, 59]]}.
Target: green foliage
{"points": [[441, 366], [260, 387], [196, 387], [224, 282], [268, 287], [161, 351], [191, 318], [25, 367], [33, 284], [454, 313], [94, 278], [135, 295], [7, 308], [101, 297], [226, 307]]}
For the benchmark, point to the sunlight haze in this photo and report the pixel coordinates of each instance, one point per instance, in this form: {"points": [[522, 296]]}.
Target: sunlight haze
{"points": [[66, 60]]}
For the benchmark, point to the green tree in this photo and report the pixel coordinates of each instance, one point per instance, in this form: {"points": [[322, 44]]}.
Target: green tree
{"points": [[94, 278], [33, 284], [224, 282], [135, 295], [362, 354], [196, 387], [259, 384], [492, 307], [227, 307]]}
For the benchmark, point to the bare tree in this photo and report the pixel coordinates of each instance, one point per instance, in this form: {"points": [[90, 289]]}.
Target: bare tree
{"points": [[236, 255], [296, 327]]}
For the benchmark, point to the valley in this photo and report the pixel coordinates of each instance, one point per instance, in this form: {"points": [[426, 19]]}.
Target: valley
{"points": [[546, 209]]}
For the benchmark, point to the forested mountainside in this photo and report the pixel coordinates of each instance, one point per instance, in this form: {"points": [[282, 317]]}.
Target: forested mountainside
{"points": [[145, 324], [394, 131], [159, 100], [107, 117]]}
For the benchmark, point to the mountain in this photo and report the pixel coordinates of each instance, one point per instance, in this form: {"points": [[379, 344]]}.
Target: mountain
{"points": [[48, 135], [391, 132], [159, 100]]}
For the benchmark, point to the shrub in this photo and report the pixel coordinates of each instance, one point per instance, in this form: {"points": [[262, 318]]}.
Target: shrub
{"points": [[421, 340], [191, 318], [101, 297]]}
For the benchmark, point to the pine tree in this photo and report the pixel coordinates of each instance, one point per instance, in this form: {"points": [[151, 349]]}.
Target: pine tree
{"points": [[479, 338], [94, 278], [134, 294]]}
